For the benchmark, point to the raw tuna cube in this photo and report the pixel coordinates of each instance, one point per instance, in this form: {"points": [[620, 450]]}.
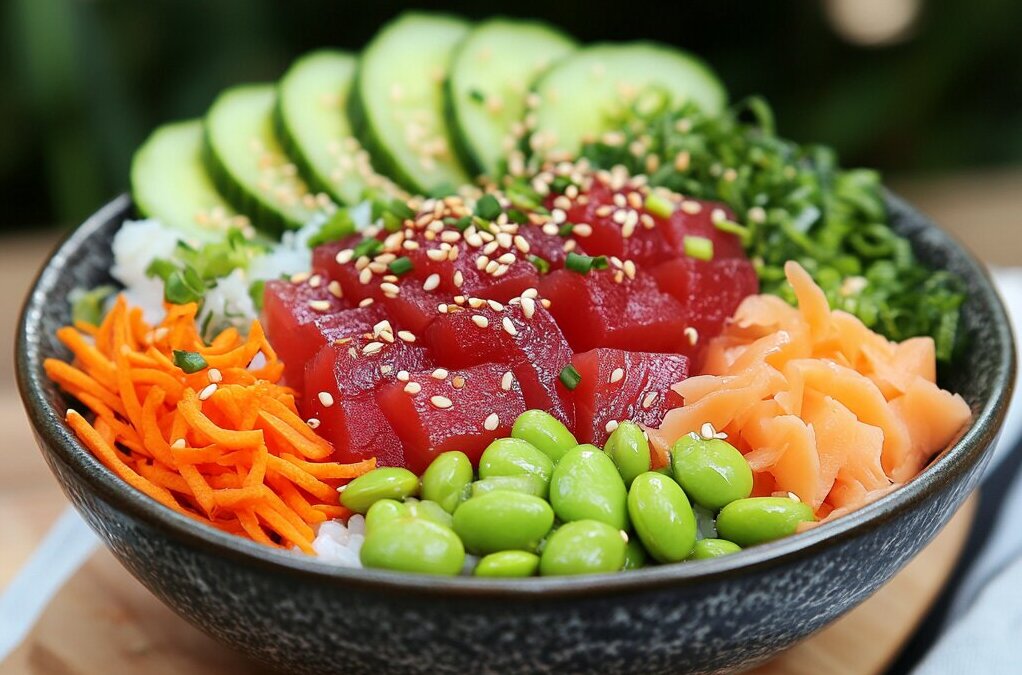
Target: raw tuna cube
{"points": [[294, 314], [617, 385], [594, 310], [709, 290], [453, 413], [347, 275], [413, 308], [340, 385], [700, 223], [535, 353]]}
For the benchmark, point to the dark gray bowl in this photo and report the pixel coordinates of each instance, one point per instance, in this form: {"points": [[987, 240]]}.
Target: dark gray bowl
{"points": [[709, 616]]}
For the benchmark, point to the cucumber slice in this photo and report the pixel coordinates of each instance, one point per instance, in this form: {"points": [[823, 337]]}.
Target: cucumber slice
{"points": [[579, 97], [490, 76], [314, 128], [249, 165], [170, 183], [397, 105]]}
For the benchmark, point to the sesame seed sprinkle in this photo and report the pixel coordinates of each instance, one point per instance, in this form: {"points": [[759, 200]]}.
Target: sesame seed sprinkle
{"points": [[480, 321], [617, 375], [325, 398], [441, 402], [319, 305], [403, 375], [491, 422], [507, 380], [405, 335], [439, 374], [611, 426], [413, 388], [649, 399], [214, 375], [372, 348], [431, 282], [313, 423], [508, 326]]}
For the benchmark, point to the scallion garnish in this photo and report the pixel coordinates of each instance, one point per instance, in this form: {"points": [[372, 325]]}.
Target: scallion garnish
{"points": [[566, 229], [190, 362], [488, 207], [700, 248], [339, 225], [583, 264], [476, 95], [659, 206], [401, 209], [541, 265], [402, 265], [569, 376], [517, 216], [368, 247], [183, 286], [560, 184]]}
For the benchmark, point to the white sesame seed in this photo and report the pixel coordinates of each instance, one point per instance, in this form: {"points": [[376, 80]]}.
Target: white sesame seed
{"points": [[707, 430], [617, 375], [582, 230], [491, 422], [530, 293], [441, 402], [507, 259], [179, 443], [495, 306], [550, 229], [691, 207], [386, 368], [313, 423], [528, 307], [403, 375], [390, 289], [405, 335], [649, 400], [325, 398], [481, 262], [506, 381], [439, 374], [315, 281], [793, 497], [611, 426], [436, 254], [458, 382], [508, 326], [480, 321], [366, 302], [365, 276], [521, 243], [214, 375], [692, 334], [372, 348], [299, 278], [459, 279], [334, 288], [629, 269], [413, 388], [344, 256], [442, 308], [431, 283], [319, 305]]}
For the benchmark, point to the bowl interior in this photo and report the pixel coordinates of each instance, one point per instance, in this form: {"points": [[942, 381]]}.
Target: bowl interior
{"points": [[984, 376]]}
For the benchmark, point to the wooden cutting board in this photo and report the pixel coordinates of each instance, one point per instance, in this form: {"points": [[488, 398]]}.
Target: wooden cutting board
{"points": [[104, 622]]}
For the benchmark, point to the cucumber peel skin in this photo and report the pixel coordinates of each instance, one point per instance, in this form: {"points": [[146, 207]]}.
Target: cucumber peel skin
{"points": [[169, 182], [250, 167], [313, 127], [397, 100], [491, 74], [580, 96]]}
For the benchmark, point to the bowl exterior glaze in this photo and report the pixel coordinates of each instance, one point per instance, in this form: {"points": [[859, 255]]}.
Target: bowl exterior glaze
{"points": [[712, 616]]}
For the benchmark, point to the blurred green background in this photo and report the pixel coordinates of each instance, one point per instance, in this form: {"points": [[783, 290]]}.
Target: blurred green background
{"points": [[908, 86]]}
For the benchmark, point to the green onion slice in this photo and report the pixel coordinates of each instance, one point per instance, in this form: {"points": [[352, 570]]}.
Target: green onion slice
{"points": [[402, 265], [488, 207], [570, 377], [700, 248], [583, 264], [659, 206], [190, 362]]}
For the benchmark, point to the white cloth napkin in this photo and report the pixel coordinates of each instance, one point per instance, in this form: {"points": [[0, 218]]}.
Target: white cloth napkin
{"points": [[983, 634]]}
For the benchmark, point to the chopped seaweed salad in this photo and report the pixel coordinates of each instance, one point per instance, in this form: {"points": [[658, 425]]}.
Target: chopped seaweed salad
{"points": [[793, 202]]}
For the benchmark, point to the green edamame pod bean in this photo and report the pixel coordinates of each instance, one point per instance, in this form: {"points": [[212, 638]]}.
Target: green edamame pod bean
{"points": [[586, 485], [446, 479], [429, 510], [387, 482], [409, 544], [503, 520], [635, 554], [629, 449], [530, 485], [713, 548], [662, 517], [712, 472], [383, 510], [515, 457], [583, 547], [756, 520], [545, 432], [508, 564]]}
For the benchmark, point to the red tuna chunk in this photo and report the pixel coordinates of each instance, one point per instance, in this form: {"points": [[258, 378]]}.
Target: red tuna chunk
{"points": [[617, 385], [432, 415]]}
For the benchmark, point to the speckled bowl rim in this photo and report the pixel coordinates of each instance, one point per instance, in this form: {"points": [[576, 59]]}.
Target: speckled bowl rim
{"points": [[60, 441]]}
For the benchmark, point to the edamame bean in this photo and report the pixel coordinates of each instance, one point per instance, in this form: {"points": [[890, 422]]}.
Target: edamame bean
{"points": [[583, 547], [508, 564], [503, 520], [635, 554], [429, 510], [662, 517], [515, 457], [586, 485], [387, 482], [530, 485], [712, 472], [410, 544], [383, 510], [713, 548], [756, 520], [629, 449], [447, 478], [545, 432]]}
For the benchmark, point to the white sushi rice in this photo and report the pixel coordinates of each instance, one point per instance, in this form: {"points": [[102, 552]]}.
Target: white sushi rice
{"points": [[340, 544]]}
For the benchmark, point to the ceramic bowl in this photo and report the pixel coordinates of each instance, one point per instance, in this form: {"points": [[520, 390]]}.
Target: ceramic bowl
{"points": [[710, 616]]}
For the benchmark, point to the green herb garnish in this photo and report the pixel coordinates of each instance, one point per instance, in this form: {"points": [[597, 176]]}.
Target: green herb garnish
{"points": [[476, 95], [541, 265], [569, 376], [190, 362], [402, 265], [488, 207], [583, 264], [183, 286], [700, 248], [367, 247], [659, 206], [87, 306]]}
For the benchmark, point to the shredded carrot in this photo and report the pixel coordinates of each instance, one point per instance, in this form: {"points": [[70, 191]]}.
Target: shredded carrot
{"points": [[236, 456]]}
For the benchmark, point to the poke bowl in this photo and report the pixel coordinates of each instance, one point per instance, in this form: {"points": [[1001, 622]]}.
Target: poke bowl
{"points": [[253, 589]]}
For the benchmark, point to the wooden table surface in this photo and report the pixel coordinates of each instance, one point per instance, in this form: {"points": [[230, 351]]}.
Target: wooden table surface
{"points": [[983, 210]]}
